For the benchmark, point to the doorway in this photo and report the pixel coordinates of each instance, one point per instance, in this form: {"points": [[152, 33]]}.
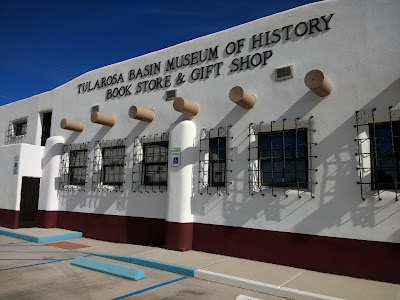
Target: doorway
{"points": [[46, 127], [28, 213]]}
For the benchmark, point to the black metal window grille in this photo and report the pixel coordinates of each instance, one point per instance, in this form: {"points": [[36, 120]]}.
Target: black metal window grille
{"points": [[150, 163], [213, 161], [16, 130], [109, 165], [20, 127], [281, 157], [378, 152], [113, 165], [217, 172], [73, 167], [155, 163]]}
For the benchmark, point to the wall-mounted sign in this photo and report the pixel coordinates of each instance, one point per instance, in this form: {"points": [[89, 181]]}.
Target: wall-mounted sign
{"points": [[207, 63], [175, 157], [15, 164]]}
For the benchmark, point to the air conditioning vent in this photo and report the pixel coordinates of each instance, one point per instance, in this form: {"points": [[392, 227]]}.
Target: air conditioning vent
{"points": [[172, 94], [95, 108], [284, 73]]}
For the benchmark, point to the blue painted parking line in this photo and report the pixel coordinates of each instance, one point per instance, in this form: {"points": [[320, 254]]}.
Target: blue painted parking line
{"points": [[22, 251], [26, 244], [38, 264], [14, 244], [150, 288], [16, 259]]}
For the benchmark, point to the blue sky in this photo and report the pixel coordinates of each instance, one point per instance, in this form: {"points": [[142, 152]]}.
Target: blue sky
{"points": [[45, 44]]}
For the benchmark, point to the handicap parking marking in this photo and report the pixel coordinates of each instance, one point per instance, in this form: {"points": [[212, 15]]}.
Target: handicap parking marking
{"points": [[150, 288]]}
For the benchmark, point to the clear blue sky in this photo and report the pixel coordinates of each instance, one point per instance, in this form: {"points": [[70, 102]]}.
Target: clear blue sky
{"points": [[45, 44]]}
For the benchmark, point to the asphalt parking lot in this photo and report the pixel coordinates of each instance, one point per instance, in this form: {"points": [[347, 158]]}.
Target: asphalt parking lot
{"points": [[41, 271]]}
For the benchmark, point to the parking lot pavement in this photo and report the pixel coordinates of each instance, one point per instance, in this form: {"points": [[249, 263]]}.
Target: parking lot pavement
{"points": [[40, 271]]}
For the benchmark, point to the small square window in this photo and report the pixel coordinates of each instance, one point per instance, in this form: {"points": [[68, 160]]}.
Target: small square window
{"points": [[19, 127]]}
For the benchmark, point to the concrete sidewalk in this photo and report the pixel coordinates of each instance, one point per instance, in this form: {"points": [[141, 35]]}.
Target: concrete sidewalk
{"points": [[261, 277]]}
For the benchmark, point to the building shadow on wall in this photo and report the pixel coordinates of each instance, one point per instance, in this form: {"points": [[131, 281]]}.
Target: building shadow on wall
{"points": [[336, 207]]}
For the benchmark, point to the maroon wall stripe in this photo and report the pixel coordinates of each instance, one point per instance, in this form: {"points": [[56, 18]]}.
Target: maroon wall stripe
{"points": [[179, 236], [47, 219], [355, 258], [9, 218], [120, 229]]}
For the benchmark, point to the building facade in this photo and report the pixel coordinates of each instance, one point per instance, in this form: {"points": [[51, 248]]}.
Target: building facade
{"points": [[277, 140]]}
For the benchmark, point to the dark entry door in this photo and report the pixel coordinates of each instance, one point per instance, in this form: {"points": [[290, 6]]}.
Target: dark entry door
{"points": [[29, 202]]}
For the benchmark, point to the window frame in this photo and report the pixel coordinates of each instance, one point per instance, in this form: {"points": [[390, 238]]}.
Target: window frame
{"points": [[105, 166], [394, 153], [218, 161], [295, 159], [71, 168], [145, 165]]}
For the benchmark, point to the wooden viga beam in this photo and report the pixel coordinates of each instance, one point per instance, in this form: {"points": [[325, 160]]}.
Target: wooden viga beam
{"points": [[103, 119], [242, 97], [72, 125], [185, 106], [318, 83], [141, 113]]}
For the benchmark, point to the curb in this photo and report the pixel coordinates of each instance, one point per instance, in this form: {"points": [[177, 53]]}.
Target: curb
{"points": [[260, 287], [247, 284], [40, 239], [155, 264], [108, 268]]}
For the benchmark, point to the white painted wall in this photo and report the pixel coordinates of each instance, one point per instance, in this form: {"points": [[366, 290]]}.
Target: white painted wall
{"points": [[30, 157], [360, 53]]}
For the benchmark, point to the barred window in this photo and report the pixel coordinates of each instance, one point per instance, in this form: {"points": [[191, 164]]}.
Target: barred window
{"points": [[77, 167], [385, 150], [73, 167], [16, 131], [113, 165], [20, 126], [155, 163], [217, 174], [378, 152], [283, 158], [109, 165]]}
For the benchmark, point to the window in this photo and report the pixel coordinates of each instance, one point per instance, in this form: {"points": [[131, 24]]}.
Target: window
{"points": [[73, 167], [155, 163], [283, 158], [113, 165], [108, 165], [46, 127], [385, 150], [77, 167], [20, 127], [378, 152], [217, 162]]}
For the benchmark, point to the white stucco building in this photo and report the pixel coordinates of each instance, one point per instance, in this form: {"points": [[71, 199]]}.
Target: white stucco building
{"points": [[277, 140]]}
